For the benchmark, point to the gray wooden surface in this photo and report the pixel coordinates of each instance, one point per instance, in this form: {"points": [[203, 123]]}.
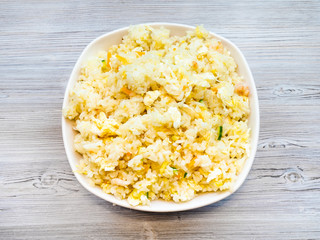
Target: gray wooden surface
{"points": [[39, 195]]}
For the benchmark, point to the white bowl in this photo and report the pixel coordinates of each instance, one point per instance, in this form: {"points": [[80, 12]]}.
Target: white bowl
{"points": [[115, 37]]}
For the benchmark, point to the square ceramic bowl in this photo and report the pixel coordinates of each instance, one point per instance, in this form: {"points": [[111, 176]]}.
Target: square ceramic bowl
{"points": [[103, 43]]}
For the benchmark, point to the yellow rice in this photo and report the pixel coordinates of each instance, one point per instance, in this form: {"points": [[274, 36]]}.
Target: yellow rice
{"points": [[161, 117]]}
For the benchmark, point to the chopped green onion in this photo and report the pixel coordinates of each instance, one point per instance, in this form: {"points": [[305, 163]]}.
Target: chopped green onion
{"points": [[201, 100], [220, 133], [147, 194], [174, 169], [185, 174]]}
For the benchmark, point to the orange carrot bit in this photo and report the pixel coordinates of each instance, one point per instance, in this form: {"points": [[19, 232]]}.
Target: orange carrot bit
{"points": [[214, 89], [141, 53], [191, 163], [128, 154], [108, 59], [194, 64], [242, 90], [127, 91]]}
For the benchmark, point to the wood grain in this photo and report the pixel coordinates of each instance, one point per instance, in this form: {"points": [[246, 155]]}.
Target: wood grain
{"points": [[39, 196]]}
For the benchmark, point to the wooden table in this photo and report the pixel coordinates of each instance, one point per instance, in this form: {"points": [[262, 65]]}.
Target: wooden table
{"points": [[40, 197]]}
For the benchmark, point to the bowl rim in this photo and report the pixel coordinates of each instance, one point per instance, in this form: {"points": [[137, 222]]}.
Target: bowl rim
{"points": [[178, 206]]}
